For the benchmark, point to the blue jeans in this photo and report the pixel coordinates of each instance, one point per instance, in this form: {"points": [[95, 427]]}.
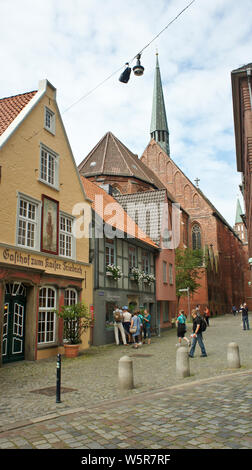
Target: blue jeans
{"points": [[245, 323], [198, 339]]}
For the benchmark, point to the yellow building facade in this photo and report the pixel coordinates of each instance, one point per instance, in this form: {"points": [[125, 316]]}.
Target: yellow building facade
{"points": [[42, 264]]}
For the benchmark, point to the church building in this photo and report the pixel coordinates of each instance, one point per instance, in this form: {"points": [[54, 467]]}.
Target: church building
{"points": [[223, 280]]}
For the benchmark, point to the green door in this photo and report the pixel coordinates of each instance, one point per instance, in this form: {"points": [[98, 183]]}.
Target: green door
{"points": [[13, 328]]}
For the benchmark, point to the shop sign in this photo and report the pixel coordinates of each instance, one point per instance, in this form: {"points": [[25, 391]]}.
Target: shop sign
{"points": [[29, 260]]}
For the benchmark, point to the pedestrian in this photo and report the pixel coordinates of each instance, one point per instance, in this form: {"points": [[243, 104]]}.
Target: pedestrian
{"points": [[140, 316], [147, 326], [135, 329], [181, 328], [207, 314], [245, 319], [234, 310], [197, 335], [197, 308], [118, 318], [126, 322]]}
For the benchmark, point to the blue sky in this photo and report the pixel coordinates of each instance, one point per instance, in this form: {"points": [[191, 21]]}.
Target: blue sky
{"points": [[78, 44]]}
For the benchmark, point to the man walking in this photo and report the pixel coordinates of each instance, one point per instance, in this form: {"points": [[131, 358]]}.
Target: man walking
{"points": [[245, 320], [118, 318], [197, 335]]}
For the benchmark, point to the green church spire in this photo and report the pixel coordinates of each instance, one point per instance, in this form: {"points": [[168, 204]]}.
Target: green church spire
{"points": [[159, 128], [238, 219]]}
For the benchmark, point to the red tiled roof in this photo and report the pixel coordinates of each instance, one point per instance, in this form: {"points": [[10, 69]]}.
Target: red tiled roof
{"points": [[124, 223], [10, 108]]}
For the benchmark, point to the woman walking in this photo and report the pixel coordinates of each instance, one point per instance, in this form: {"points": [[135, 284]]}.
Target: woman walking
{"points": [[147, 326], [135, 329], [181, 328]]}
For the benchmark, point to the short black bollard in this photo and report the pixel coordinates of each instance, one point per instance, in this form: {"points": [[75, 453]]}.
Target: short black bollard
{"points": [[58, 378]]}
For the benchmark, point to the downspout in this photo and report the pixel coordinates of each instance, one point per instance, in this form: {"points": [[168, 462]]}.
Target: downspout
{"points": [[249, 73]]}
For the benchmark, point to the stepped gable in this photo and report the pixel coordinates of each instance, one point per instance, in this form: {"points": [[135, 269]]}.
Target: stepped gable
{"points": [[111, 157], [10, 108]]}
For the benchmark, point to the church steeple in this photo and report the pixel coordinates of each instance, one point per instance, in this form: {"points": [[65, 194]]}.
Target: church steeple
{"points": [[239, 226], [159, 128]]}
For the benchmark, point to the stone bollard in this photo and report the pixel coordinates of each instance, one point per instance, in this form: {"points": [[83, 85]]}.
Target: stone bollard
{"points": [[182, 363], [233, 356], [125, 373]]}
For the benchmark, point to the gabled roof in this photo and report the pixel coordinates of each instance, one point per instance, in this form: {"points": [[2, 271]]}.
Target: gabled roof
{"points": [[124, 223], [111, 157], [10, 108]]}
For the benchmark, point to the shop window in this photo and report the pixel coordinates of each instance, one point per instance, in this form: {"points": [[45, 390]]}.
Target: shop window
{"points": [[110, 307], [70, 297], [47, 316], [165, 311]]}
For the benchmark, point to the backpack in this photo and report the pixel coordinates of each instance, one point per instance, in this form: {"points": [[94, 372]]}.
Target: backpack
{"points": [[117, 316], [203, 324]]}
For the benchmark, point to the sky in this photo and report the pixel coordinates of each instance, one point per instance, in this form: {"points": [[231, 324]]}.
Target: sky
{"points": [[78, 45]]}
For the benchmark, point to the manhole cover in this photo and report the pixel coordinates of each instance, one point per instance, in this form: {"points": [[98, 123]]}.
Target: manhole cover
{"points": [[140, 355], [51, 391]]}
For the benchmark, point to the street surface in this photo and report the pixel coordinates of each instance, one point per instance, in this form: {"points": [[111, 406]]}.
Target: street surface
{"points": [[211, 409]]}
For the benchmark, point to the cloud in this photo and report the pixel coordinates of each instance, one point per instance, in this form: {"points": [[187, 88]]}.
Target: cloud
{"points": [[78, 44]]}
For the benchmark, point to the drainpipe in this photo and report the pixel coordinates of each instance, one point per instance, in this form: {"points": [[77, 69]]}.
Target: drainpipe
{"points": [[249, 73]]}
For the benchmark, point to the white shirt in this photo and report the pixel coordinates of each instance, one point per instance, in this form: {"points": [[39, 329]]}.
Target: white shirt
{"points": [[126, 316]]}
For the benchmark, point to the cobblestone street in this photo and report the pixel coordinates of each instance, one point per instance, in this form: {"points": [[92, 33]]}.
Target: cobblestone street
{"points": [[210, 409]]}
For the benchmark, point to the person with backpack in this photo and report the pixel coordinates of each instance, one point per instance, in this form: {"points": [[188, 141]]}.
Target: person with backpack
{"points": [[135, 329], [181, 328], [118, 319], [199, 325], [207, 314], [245, 319]]}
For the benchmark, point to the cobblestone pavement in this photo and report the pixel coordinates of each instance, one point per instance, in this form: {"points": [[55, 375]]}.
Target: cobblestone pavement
{"points": [[210, 409]]}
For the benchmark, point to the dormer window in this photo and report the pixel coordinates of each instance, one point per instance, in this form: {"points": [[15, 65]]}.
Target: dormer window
{"points": [[49, 120]]}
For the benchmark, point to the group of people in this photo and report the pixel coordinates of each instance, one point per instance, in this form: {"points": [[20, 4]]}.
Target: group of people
{"points": [[134, 327], [198, 328], [244, 314]]}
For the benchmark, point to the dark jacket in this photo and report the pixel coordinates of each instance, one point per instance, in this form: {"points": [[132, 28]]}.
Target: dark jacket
{"points": [[197, 321]]}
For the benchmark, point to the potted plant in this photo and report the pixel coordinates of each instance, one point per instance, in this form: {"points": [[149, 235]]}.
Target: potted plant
{"points": [[135, 274], [148, 278], [113, 271], [76, 320]]}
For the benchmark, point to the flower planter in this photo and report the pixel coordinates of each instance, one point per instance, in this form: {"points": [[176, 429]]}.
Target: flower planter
{"points": [[71, 350], [109, 274]]}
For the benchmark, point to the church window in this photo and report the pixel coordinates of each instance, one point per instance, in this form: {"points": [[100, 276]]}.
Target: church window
{"points": [[196, 237]]}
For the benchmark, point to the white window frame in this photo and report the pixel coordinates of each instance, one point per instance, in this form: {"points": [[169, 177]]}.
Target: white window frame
{"points": [[35, 221], [65, 234], [47, 311], [69, 300], [110, 245], [52, 156], [51, 127]]}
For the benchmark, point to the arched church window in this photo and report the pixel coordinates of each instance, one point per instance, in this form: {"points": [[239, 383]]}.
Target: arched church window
{"points": [[196, 237]]}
